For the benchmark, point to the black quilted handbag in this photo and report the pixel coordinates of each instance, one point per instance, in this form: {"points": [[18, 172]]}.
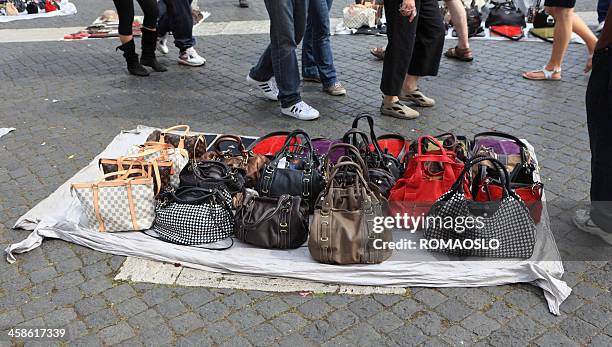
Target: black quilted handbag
{"points": [[503, 228], [293, 171], [193, 216]]}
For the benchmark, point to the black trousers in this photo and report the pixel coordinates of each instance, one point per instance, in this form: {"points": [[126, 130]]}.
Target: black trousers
{"points": [[599, 120], [414, 47], [125, 10]]}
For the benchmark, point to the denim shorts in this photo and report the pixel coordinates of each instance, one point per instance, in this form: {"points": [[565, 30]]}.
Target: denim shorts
{"points": [[560, 3]]}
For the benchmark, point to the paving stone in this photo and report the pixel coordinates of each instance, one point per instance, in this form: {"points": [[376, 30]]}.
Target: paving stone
{"points": [[90, 305], [171, 308], [38, 307], [458, 336], [501, 311], [385, 322], [430, 323], [157, 295], [387, 300], [119, 293], [158, 335], [69, 280], [101, 319], [59, 317], [246, 318], [342, 319], [288, 323], [577, 329], [237, 341], [96, 286], [146, 320], [595, 314], [76, 329], [262, 335], [214, 311], [10, 318], [131, 307], [271, 306], [406, 308], [237, 301], [430, 297], [480, 324], [365, 307], [116, 333], [454, 310], [197, 298], [220, 332], [314, 309], [555, 338], [43, 274], [295, 340], [196, 338], [67, 296], [186, 323], [407, 335], [601, 340]]}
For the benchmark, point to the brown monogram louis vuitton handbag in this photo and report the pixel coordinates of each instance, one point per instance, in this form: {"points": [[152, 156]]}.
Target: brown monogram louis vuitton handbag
{"points": [[195, 145]]}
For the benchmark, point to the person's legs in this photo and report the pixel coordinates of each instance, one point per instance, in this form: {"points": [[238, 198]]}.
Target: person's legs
{"points": [[598, 220], [400, 48], [309, 66], [428, 48], [182, 23], [582, 30], [125, 11], [602, 10], [459, 18], [319, 13], [163, 23]]}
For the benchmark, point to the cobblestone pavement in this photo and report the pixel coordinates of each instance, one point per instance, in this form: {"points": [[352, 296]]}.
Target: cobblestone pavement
{"points": [[64, 285]]}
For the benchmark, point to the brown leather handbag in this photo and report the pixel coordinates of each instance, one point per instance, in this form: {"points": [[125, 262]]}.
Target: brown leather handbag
{"points": [[238, 157], [342, 231], [195, 145], [280, 223]]}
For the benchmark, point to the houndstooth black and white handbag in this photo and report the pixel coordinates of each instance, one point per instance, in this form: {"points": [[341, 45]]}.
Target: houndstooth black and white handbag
{"points": [[504, 229], [193, 216]]}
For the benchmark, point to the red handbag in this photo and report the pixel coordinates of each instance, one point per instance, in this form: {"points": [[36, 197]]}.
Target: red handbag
{"points": [[428, 176], [530, 194]]}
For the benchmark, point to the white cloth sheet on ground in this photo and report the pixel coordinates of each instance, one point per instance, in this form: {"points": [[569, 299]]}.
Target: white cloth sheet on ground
{"points": [[66, 9], [55, 217]]}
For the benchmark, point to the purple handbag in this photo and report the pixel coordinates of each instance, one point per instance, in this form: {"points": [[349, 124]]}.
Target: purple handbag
{"points": [[322, 145], [500, 143]]}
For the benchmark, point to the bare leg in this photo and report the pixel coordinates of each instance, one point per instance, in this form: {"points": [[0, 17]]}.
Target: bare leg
{"points": [[410, 84], [459, 18], [582, 30]]}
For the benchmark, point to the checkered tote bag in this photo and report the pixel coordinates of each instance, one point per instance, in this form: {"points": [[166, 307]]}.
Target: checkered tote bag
{"points": [[121, 204], [194, 216], [504, 228]]}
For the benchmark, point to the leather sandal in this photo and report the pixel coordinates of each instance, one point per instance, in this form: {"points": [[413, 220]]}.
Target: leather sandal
{"points": [[547, 75], [378, 52], [462, 54], [398, 110]]}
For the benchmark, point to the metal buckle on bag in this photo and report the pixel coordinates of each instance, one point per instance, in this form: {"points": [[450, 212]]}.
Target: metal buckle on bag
{"points": [[283, 224], [325, 239]]}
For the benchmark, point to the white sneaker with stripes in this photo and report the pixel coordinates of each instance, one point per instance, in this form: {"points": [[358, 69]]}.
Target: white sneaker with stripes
{"points": [[301, 111], [269, 89]]}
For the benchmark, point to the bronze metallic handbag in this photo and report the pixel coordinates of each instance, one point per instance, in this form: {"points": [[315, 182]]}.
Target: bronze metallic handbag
{"points": [[280, 223], [195, 145], [342, 231], [251, 165]]}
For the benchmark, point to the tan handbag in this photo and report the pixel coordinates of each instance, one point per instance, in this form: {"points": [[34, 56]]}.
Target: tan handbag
{"points": [[342, 230], [121, 204], [250, 164], [195, 145], [11, 10]]}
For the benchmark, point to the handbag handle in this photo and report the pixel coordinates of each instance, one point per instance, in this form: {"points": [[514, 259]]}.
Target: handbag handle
{"points": [[282, 202], [356, 132], [181, 144], [122, 175], [178, 196], [288, 144], [346, 164], [352, 150], [196, 167], [228, 138], [505, 178], [432, 140], [370, 120]]}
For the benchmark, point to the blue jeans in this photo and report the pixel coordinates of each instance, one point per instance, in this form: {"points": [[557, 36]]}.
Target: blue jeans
{"points": [[279, 60], [602, 9], [317, 58], [175, 16]]}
